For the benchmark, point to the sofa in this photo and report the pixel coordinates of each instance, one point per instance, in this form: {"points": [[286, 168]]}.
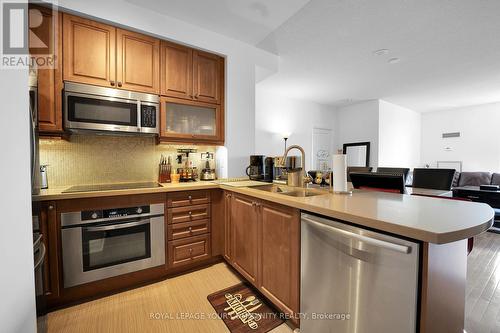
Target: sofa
{"points": [[475, 179]]}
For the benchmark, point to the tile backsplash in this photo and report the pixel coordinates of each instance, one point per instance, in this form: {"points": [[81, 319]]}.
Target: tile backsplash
{"points": [[101, 159]]}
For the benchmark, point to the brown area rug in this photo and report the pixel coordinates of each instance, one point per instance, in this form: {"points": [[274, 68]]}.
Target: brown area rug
{"points": [[243, 309]]}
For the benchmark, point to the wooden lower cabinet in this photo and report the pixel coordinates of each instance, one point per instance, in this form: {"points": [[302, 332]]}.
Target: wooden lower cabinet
{"points": [[279, 244], [227, 227], [244, 236], [188, 213], [188, 229], [49, 229], [188, 250], [262, 242]]}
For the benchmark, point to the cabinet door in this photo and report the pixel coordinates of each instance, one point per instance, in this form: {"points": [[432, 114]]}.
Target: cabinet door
{"points": [[50, 231], [279, 265], [188, 250], [227, 227], [137, 62], [88, 51], [49, 79], [207, 77], [244, 219], [176, 71], [190, 121]]}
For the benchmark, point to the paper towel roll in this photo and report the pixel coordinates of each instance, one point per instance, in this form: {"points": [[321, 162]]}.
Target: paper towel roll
{"points": [[339, 171]]}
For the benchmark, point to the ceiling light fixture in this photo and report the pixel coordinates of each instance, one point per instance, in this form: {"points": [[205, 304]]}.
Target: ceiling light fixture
{"points": [[393, 60], [380, 52]]}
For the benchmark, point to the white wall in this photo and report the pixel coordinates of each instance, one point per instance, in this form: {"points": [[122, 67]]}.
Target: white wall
{"points": [[241, 62], [359, 123], [478, 147], [17, 294], [276, 115], [399, 136]]}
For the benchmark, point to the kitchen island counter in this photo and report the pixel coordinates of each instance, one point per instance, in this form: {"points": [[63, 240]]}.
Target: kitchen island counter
{"points": [[431, 220]]}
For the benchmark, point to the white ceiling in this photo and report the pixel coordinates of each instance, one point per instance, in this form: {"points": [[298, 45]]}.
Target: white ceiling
{"points": [[247, 20], [449, 49]]}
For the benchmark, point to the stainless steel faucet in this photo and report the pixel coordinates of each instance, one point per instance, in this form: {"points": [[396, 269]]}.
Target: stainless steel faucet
{"points": [[306, 179]]}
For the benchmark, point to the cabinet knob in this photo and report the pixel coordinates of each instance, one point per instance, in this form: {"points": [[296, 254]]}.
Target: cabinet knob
{"points": [[51, 207], [190, 229], [112, 83], [119, 84], [190, 213], [190, 198]]}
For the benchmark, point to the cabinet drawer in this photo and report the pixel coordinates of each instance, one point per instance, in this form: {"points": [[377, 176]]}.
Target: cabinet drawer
{"points": [[188, 250], [188, 198], [188, 229], [188, 213]]}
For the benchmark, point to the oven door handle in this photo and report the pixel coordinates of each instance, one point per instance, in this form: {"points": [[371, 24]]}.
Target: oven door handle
{"points": [[118, 226]]}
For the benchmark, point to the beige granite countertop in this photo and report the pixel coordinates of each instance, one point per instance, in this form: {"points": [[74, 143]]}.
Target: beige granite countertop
{"points": [[56, 193], [427, 219]]}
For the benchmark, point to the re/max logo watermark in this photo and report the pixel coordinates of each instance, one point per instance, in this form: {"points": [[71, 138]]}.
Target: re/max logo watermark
{"points": [[28, 36]]}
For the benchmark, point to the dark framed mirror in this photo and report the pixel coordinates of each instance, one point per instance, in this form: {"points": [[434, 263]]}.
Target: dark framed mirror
{"points": [[358, 154]]}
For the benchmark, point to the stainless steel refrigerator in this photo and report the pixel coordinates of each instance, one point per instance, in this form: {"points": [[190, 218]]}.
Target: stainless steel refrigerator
{"points": [[39, 249]]}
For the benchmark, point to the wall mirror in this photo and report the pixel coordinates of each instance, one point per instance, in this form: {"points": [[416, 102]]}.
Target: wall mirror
{"points": [[358, 154]]}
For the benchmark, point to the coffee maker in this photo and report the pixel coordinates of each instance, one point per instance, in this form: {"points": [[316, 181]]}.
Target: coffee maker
{"points": [[260, 168]]}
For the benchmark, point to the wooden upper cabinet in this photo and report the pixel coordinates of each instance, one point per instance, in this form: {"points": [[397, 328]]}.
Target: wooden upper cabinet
{"points": [[206, 77], [280, 256], [89, 51], [244, 232], [49, 79], [176, 70], [191, 121], [137, 62]]}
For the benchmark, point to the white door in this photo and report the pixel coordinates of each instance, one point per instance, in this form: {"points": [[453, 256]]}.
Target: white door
{"points": [[322, 149]]}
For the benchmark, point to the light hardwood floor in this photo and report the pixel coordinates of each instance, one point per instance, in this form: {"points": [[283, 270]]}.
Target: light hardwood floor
{"points": [[131, 311], [482, 306]]}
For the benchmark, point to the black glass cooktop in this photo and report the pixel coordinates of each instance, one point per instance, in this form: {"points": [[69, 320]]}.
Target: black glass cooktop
{"points": [[108, 187]]}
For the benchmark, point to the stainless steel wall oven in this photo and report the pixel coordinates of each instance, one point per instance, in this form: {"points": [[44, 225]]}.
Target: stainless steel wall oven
{"points": [[98, 244]]}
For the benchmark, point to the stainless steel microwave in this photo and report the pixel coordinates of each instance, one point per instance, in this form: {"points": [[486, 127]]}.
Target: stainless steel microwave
{"points": [[88, 107]]}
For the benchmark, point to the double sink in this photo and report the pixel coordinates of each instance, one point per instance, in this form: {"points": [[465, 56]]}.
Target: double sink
{"points": [[291, 191]]}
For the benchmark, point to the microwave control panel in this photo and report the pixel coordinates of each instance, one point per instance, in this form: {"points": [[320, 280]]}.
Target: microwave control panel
{"points": [[148, 116]]}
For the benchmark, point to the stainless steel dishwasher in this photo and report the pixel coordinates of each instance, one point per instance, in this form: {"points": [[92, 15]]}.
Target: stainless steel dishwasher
{"points": [[355, 280]]}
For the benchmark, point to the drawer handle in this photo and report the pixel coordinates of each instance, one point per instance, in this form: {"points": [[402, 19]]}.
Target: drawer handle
{"points": [[190, 213], [190, 198]]}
